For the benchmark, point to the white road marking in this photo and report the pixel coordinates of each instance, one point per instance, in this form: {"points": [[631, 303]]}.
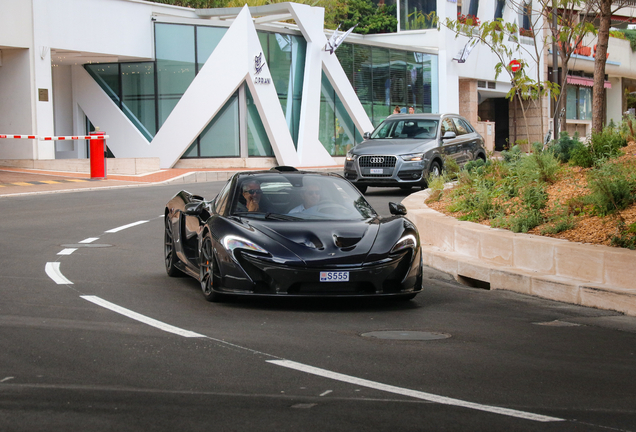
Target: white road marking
{"points": [[89, 240], [114, 230], [52, 269], [142, 318], [326, 393], [6, 379], [67, 251], [413, 393]]}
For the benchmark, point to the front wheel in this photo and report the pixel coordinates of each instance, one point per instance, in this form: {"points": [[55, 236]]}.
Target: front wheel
{"points": [[434, 171], [361, 188], [168, 250], [206, 271]]}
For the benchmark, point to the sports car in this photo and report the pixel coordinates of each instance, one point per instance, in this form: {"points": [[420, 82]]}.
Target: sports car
{"points": [[285, 232]]}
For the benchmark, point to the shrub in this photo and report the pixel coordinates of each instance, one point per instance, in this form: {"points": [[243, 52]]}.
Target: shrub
{"points": [[626, 236], [564, 146], [612, 189]]}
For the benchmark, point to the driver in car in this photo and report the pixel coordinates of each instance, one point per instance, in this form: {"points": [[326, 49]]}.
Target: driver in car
{"points": [[252, 194], [311, 197]]}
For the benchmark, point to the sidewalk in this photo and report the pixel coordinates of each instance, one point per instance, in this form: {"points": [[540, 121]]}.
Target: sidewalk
{"points": [[21, 181]]}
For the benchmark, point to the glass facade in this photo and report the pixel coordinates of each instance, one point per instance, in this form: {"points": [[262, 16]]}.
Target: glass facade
{"points": [[384, 78], [417, 14], [147, 92]]}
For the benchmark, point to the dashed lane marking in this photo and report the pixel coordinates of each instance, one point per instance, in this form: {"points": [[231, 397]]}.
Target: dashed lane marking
{"points": [[412, 393], [142, 318], [114, 230], [52, 269]]}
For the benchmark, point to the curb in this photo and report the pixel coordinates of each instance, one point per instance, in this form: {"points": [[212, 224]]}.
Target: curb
{"points": [[475, 255]]}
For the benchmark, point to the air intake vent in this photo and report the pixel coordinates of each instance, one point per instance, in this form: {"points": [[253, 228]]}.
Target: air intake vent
{"points": [[481, 84], [492, 85]]}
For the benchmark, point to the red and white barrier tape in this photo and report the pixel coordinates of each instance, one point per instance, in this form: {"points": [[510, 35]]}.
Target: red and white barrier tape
{"points": [[20, 136], [56, 138], [70, 138]]}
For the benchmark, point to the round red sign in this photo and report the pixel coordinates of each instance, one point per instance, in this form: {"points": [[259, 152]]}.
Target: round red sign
{"points": [[515, 65]]}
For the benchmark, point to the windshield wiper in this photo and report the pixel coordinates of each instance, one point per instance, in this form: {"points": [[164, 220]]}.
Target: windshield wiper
{"points": [[282, 217]]}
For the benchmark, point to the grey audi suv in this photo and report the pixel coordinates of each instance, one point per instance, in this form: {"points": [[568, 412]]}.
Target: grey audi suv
{"points": [[405, 148]]}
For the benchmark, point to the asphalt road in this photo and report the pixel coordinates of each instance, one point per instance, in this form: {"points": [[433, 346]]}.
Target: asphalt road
{"points": [[120, 346]]}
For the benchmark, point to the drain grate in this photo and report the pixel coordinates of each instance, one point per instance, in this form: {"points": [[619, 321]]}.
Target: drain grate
{"points": [[406, 335]]}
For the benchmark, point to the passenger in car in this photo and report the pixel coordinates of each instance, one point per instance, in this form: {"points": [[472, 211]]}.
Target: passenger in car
{"points": [[311, 197]]}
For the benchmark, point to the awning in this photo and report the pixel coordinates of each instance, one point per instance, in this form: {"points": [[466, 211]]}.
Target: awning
{"points": [[587, 82]]}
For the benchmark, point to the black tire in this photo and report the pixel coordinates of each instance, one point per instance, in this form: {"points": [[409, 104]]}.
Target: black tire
{"points": [[435, 170], [362, 188], [206, 271], [168, 251]]}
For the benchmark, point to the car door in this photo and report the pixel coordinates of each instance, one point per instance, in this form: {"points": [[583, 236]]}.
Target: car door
{"points": [[451, 147], [465, 140]]}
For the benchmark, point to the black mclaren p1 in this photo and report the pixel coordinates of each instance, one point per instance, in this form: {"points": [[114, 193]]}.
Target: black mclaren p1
{"points": [[285, 232]]}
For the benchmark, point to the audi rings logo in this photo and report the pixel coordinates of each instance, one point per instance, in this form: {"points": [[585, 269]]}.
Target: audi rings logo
{"points": [[377, 160]]}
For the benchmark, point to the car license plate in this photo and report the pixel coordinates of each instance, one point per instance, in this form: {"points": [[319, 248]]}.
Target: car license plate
{"points": [[377, 171], [333, 276]]}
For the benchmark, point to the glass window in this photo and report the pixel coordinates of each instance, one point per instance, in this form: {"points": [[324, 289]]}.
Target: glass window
{"points": [[460, 126], [107, 76], [447, 126], [398, 78], [570, 110], [138, 96], [406, 129], [499, 8], [338, 133], [585, 103], [417, 14], [207, 40], [380, 74], [175, 64], [257, 141], [221, 199], [221, 136]]}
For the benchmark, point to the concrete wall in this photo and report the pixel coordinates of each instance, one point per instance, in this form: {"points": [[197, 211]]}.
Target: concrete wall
{"points": [[16, 104]]}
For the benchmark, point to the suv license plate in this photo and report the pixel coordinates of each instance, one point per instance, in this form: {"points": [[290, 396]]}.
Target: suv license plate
{"points": [[377, 171], [334, 276]]}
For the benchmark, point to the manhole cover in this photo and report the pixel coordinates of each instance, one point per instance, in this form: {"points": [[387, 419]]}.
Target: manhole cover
{"points": [[86, 245], [406, 335]]}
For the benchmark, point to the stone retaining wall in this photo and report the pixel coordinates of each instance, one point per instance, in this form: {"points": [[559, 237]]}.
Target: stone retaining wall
{"points": [[588, 275]]}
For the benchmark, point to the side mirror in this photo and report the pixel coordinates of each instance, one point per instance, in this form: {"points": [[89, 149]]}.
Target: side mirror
{"points": [[397, 209], [366, 136], [449, 135], [194, 208]]}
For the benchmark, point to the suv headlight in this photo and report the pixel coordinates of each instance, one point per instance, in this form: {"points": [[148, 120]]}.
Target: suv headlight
{"points": [[350, 156], [413, 157]]}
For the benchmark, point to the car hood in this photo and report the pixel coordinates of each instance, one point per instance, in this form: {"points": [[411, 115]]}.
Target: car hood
{"points": [[391, 146], [325, 244]]}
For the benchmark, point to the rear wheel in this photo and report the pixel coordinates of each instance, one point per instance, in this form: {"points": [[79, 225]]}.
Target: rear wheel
{"points": [[168, 251], [206, 271]]}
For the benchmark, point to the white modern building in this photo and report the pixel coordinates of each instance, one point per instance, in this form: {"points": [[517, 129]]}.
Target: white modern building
{"points": [[233, 87]]}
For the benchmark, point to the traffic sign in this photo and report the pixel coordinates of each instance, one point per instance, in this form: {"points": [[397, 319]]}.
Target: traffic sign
{"points": [[515, 65]]}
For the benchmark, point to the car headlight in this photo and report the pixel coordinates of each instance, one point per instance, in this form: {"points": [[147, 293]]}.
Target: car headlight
{"points": [[407, 241], [232, 242], [350, 156], [413, 157]]}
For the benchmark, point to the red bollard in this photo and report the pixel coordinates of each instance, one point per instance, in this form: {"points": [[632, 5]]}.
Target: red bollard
{"points": [[98, 155]]}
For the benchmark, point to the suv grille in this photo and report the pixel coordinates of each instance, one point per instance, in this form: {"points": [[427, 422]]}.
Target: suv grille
{"points": [[377, 161]]}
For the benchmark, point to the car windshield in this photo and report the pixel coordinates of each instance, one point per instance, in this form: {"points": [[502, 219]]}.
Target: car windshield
{"points": [[298, 197], [406, 129]]}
